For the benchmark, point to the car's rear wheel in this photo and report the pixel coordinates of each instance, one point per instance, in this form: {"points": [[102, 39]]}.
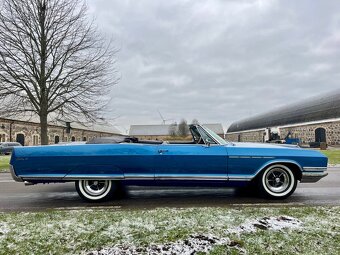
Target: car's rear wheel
{"points": [[95, 190], [277, 182]]}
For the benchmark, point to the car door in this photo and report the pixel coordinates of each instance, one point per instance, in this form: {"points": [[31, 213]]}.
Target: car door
{"points": [[191, 162], [138, 165]]}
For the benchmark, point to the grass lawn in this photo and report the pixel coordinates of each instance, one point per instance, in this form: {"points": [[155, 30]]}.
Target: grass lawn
{"points": [[4, 163], [333, 156], [86, 231]]}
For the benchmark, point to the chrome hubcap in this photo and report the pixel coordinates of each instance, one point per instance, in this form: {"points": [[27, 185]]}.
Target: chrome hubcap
{"points": [[277, 180], [95, 188]]}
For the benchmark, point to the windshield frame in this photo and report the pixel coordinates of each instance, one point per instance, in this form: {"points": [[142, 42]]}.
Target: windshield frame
{"points": [[215, 137]]}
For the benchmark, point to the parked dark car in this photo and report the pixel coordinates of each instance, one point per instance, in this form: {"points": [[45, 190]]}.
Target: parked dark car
{"points": [[7, 147]]}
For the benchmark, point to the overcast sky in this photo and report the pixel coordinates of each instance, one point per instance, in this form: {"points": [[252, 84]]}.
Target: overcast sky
{"points": [[218, 61]]}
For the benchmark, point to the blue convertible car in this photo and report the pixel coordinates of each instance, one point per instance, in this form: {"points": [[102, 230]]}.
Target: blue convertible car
{"points": [[98, 167]]}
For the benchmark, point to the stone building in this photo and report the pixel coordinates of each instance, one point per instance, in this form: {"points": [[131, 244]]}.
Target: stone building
{"points": [[312, 120], [163, 132], [27, 132]]}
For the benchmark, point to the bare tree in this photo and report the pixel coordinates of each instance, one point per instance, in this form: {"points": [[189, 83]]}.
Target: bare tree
{"points": [[53, 60], [183, 129], [173, 129], [194, 121]]}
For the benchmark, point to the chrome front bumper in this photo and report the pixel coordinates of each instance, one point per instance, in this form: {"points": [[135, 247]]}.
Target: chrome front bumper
{"points": [[14, 176], [313, 174]]}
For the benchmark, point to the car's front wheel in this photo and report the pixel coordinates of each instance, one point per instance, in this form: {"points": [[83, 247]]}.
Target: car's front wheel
{"points": [[277, 182], [95, 190]]}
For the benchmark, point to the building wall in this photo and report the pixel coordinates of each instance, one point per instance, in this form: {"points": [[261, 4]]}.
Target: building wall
{"points": [[251, 136], [305, 132], [31, 132]]}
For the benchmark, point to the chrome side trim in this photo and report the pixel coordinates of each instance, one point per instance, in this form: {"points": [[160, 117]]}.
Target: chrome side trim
{"points": [[139, 176], [163, 177], [14, 176], [238, 157], [192, 177], [75, 177], [237, 177], [317, 169], [312, 176], [46, 177], [122, 177], [254, 157]]}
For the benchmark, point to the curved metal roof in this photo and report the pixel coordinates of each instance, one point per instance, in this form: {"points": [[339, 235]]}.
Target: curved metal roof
{"points": [[318, 108]]}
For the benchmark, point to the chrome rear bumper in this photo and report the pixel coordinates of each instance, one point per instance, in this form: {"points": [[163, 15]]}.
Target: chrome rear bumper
{"points": [[14, 176]]}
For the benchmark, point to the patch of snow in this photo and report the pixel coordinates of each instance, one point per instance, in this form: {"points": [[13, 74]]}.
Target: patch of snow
{"points": [[271, 223], [191, 245], [4, 229], [49, 225], [68, 223], [204, 242]]}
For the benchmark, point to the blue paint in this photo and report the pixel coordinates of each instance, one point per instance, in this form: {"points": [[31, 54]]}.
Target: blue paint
{"points": [[146, 164]]}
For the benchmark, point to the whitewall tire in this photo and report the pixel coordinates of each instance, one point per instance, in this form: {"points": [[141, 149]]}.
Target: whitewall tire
{"points": [[277, 182], [95, 190]]}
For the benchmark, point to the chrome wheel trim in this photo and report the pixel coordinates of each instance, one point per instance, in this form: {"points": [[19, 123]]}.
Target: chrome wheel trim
{"points": [[95, 189], [278, 187], [277, 180]]}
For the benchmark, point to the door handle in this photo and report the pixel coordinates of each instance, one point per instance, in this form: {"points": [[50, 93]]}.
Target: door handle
{"points": [[161, 151]]}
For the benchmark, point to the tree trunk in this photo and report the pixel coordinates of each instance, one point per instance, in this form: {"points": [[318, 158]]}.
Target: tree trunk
{"points": [[42, 81], [43, 129]]}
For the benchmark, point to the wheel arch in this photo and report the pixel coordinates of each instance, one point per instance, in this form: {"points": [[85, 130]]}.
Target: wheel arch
{"points": [[293, 165]]}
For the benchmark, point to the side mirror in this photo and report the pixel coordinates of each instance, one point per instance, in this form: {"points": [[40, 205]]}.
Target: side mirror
{"points": [[207, 142]]}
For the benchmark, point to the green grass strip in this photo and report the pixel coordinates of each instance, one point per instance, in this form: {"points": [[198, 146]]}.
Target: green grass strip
{"points": [[333, 156], [81, 231]]}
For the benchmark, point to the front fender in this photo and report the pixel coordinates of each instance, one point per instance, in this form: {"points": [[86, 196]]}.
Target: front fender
{"points": [[278, 161]]}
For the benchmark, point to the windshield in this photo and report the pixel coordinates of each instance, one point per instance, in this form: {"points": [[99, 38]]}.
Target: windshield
{"points": [[215, 136]]}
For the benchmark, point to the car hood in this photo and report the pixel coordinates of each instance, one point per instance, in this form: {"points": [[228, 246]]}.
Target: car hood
{"points": [[265, 145]]}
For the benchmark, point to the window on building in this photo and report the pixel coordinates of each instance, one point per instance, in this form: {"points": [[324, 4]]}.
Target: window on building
{"points": [[21, 139], [73, 139], [35, 139], [56, 139], [2, 138], [320, 135], [84, 138]]}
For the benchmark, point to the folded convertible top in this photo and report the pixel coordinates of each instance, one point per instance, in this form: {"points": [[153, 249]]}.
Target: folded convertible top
{"points": [[112, 139], [121, 139]]}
